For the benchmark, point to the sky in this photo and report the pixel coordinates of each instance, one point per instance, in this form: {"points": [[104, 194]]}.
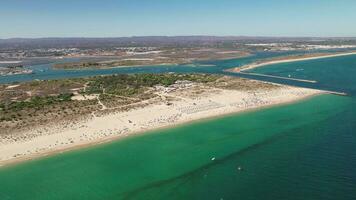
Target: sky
{"points": [[118, 18]]}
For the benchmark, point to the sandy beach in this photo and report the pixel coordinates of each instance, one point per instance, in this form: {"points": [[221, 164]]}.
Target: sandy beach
{"points": [[185, 107], [286, 60]]}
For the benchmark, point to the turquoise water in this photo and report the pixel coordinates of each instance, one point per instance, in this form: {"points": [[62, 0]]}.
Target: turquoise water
{"points": [[282, 151], [45, 71], [301, 151], [336, 74]]}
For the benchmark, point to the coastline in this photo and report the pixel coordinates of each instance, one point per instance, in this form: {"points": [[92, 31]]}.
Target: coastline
{"points": [[116, 67], [281, 96], [168, 64], [286, 60]]}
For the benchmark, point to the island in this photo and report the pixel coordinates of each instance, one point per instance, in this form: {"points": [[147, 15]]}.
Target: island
{"points": [[13, 70], [290, 58], [161, 56], [42, 117]]}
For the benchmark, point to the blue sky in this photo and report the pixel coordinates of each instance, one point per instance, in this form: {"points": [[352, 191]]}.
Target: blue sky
{"points": [[115, 18]]}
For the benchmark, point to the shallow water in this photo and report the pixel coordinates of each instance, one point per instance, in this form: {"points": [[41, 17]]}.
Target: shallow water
{"points": [[336, 74], [269, 145], [301, 151]]}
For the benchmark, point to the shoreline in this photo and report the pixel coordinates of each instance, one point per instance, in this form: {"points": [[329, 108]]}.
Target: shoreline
{"points": [[116, 67], [167, 64], [105, 141], [300, 94], [286, 60]]}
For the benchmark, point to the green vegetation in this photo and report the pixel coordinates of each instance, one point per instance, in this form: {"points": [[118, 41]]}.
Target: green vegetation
{"points": [[58, 91], [42, 101], [91, 64], [35, 102], [39, 103], [77, 65], [133, 84]]}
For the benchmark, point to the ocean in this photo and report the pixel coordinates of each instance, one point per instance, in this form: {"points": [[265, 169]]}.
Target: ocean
{"points": [[305, 150]]}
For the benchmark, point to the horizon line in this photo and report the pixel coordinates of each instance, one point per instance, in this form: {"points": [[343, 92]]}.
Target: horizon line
{"points": [[168, 36]]}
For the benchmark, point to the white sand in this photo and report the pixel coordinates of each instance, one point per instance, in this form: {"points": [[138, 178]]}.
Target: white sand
{"points": [[97, 129], [254, 65], [10, 62], [139, 59], [12, 86]]}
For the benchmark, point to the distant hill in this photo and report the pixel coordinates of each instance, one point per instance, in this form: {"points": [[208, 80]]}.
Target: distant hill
{"points": [[184, 41]]}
